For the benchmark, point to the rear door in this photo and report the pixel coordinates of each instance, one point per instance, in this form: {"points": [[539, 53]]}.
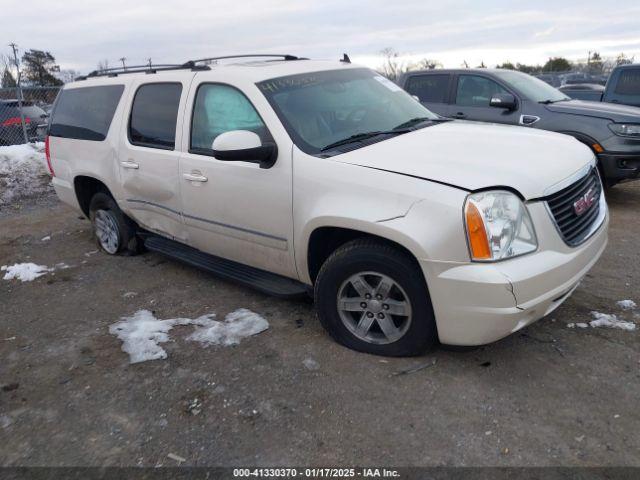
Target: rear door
{"points": [[472, 96], [432, 89], [148, 154]]}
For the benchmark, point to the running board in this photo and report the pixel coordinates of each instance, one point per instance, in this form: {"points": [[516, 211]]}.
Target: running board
{"points": [[260, 280]]}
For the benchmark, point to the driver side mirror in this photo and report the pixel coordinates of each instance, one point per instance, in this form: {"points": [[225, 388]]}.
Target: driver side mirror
{"points": [[244, 146], [503, 100]]}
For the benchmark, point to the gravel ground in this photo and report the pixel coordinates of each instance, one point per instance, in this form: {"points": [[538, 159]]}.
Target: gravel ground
{"points": [[548, 395]]}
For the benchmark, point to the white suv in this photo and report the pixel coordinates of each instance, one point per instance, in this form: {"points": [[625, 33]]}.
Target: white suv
{"points": [[293, 175]]}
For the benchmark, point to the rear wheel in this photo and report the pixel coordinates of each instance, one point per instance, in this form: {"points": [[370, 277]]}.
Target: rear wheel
{"points": [[115, 233], [372, 298]]}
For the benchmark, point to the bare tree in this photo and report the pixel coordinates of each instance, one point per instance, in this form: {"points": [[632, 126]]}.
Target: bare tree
{"points": [[103, 65], [392, 67], [622, 59], [68, 75], [425, 64]]}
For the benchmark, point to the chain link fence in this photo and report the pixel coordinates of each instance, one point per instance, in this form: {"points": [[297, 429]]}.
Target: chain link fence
{"points": [[572, 77], [24, 113]]}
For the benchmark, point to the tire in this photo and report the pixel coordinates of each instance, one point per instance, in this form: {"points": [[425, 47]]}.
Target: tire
{"points": [[379, 265], [115, 233]]}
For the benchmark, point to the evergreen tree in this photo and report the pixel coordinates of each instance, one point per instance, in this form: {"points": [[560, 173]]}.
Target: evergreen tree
{"points": [[38, 68]]}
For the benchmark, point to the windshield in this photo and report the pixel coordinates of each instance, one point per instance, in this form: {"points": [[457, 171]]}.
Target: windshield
{"points": [[532, 88], [321, 108]]}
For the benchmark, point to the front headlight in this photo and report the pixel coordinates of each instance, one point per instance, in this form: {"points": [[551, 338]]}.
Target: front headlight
{"points": [[625, 129], [498, 226]]}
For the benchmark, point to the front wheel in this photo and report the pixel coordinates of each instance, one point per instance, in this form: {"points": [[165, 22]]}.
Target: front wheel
{"points": [[114, 232], [373, 298]]}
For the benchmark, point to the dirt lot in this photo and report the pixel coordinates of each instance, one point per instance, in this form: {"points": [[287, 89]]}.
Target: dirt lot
{"points": [[549, 395]]}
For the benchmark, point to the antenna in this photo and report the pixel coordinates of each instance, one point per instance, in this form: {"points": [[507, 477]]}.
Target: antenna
{"points": [[345, 58]]}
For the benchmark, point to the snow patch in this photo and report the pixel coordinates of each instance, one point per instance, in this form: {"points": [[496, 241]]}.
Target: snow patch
{"points": [[310, 364], [25, 272], [23, 172], [236, 326], [626, 304], [610, 321], [142, 333]]}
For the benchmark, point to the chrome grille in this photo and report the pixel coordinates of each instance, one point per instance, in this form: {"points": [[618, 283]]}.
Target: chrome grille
{"points": [[570, 208]]}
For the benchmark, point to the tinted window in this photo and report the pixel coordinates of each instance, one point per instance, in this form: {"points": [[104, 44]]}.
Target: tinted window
{"points": [[154, 115], [428, 88], [628, 82], [476, 91], [85, 113], [219, 109]]}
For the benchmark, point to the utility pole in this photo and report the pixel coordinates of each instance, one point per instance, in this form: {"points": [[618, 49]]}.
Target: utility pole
{"points": [[149, 60], [123, 64], [14, 47]]}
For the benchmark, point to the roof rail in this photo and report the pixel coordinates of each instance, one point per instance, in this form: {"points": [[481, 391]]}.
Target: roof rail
{"points": [[191, 64], [114, 72], [286, 57]]}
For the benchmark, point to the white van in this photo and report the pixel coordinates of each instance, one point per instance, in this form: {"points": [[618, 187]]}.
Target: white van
{"points": [[292, 175]]}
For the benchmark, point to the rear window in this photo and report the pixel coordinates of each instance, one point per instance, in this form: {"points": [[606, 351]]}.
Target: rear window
{"points": [[154, 115], [85, 113], [629, 82], [428, 88]]}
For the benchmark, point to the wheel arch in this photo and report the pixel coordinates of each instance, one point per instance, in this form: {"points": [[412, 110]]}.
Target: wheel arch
{"points": [[85, 188], [324, 238]]}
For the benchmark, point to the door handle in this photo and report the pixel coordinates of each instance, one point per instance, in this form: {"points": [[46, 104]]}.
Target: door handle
{"points": [[459, 115], [194, 177], [130, 164]]}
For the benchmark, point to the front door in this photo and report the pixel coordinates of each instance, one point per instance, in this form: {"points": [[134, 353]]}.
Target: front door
{"points": [[148, 158], [236, 210], [473, 95]]}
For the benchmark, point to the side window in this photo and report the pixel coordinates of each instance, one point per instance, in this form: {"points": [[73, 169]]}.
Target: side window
{"points": [[628, 82], [85, 113], [154, 115], [476, 91], [222, 108], [429, 88]]}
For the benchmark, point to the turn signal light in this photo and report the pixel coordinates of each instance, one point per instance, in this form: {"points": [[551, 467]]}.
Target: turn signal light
{"points": [[477, 234]]}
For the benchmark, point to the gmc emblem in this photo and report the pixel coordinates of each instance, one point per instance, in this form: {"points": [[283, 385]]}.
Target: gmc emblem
{"points": [[585, 202]]}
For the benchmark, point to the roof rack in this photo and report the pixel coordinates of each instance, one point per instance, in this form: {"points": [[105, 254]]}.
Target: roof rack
{"points": [[191, 64], [114, 72], [285, 57]]}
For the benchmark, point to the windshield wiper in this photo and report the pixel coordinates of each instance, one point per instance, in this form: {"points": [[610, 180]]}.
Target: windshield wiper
{"points": [[418, 120], [363, 136]]}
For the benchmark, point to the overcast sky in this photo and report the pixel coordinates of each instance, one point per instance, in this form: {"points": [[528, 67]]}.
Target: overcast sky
{"points": [[81, 33]]}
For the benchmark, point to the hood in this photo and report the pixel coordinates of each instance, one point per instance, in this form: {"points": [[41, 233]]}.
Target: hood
{"points": [[474, 156], [611, 111]]}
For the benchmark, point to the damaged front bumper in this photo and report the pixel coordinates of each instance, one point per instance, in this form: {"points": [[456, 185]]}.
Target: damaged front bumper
{"points": [[478, 303]]}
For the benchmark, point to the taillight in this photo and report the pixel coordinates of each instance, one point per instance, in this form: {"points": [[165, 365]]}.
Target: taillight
{"points": [[47, 153], [15, 121]]}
